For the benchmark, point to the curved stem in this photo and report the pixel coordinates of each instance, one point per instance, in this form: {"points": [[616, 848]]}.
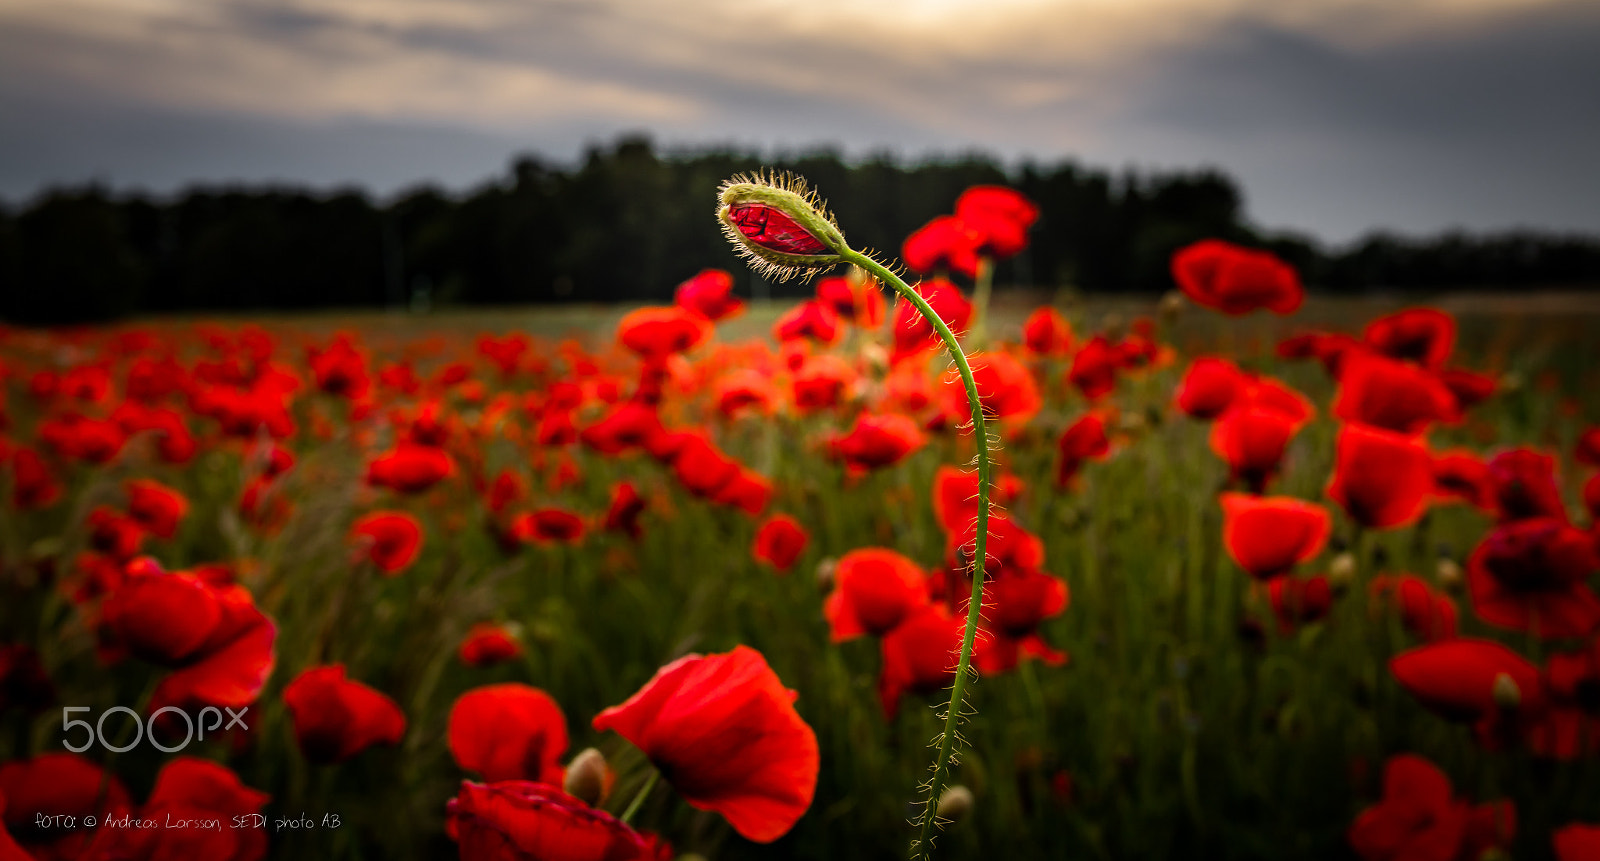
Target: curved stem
{"points": [[952, 719], [638, 800]]}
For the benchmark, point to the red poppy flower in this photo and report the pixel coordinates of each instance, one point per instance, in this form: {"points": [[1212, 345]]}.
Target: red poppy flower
{"points": [[876, 441], [622, 515], [946, 242], [1469, 387], [955, 496], [1252, 441], [701, 467], [1015, 604], [57, 784], [1591, 497], [335, 718], [390, 539], [156, 507], [548, 525], [1047, 333], [505, 354], [744, 390], [1456, 678], [340, 368], [115, 534], [506, 490], [1381, 479], [1009, 547], [1587, 450], [32, 485], [913, 333], [749, 491], [1577, 842], [1425, 613], [854, 301], [1269, 535], [218, 643], [822, 382], [710, 294], [90, 440], [1000, 217], [1094, 368], [724, 732], [1420, 820], [518, 820], [1396, 396], [410, 468], [1084, 440], [1523, 482], [920, 655], [1425, 336], [188, 788], [1235, 280], [1463, 475], [657, 332], [873, 591], [487, 644], [509, 732], [1209, 387], [809, 319], [1296, 601], [779, 542], [628, 425], [1530, 575]]}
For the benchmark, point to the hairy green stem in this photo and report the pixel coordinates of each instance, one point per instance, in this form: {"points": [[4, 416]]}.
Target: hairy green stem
{"points": [[952, 719], [638, 800]]}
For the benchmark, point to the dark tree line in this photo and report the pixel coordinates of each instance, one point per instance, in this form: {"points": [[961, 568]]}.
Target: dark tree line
{"points": [[629, 223]]}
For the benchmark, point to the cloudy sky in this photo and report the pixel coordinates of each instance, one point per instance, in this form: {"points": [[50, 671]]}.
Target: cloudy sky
{"points": [[1337, 116]]}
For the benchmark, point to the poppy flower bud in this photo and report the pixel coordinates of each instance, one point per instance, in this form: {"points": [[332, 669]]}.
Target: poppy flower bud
{"points": [[1342, 570], [1506, 693], [955, 803], [1171, 305], [779, 225], [586, 777], [1448, 572], [825, 572]]}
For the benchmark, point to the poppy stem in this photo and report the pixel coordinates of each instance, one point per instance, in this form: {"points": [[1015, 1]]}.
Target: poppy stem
{"points": [[638, 800], [923, 846]]}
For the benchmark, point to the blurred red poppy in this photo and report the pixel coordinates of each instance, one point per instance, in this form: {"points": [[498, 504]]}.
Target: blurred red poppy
{"points": [[336, 718], [410, 468], [509, 732], [1577, 842], [1456, 679], [189, 789], [873, 591], [744, 391], [1267, 536], [57, 785], [1235, 280], [1420, 820], [920, 655], [1094, 368], [622, 515], [1461, 474], [156, 507], [913, 334], [946, 242], [876, 441], [1523, 482], [1015, 604], [32, 484], [1425, 336], [955, 495], [724, 732], [1209, 387], [657, 332], [1396, 396], [548, 525], [391, 540], [487, 644], [1587, 450], [710, 294], [1530, 575], [1252, 440], [822, 382], [779, 542], [1426, 614], [1047, 333], [1084, 440], [1005, 389], [999, 216], [809, 319], [518, 820], [1297, 601], [1381, 479]]}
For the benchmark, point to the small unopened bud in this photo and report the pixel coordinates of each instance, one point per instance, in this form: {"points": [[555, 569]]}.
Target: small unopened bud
{"points": [[1342, 571], [875, 357], [1171, 305], [1448, 572], [1511, 382], [777, 223], [586, 777], [825, 570], [1506, 693], [955, 803]]}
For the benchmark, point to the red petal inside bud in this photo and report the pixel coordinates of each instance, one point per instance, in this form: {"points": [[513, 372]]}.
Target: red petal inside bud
{"points": [[773, 229]]}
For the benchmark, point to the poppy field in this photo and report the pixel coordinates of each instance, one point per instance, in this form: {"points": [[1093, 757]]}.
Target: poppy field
{"points": [[1262, 576]]}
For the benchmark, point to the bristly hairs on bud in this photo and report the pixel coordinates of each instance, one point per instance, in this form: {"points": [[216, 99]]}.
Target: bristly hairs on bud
{"points": [[779, 225]]}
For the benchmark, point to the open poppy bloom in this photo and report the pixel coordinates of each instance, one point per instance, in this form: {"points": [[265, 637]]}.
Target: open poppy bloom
{"points": [[1420, 820], [920, 655], [1209, 387], [1094, 368], [724, 732], [548, 526], [1531, 575], [1577, 842], [410, 468], [1267, 536], [156, 507], [1047, 333], [1005, 389], [509, 732], [1425, 613], [913, 334], [1015, 604], [519, 820], [1456, 679], [1084, 440], [710, 294], [876, 441], [391, 540], [622, 515], [1425, 336], [1462, 475], [955, 496], [858, 302], [1382, 480], [873, 591], [1296, 601], [779, 542], [655, 333], [1252, 440], [822, 382], [946, 242], [56, 784], [488, 644], [1396, 396], [1523, 482], [189, 789], [809, 319], [336, 718], [1235, 280], [999, 216]]}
